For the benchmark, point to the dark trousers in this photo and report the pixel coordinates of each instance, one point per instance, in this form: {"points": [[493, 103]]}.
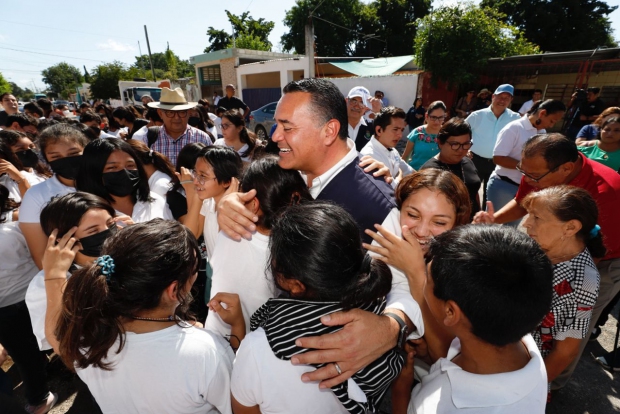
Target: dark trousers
{"points": [[485, 167], [17, 337]]}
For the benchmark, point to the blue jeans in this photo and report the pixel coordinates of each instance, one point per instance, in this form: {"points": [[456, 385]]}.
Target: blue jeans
{"points": [[500, 193]]}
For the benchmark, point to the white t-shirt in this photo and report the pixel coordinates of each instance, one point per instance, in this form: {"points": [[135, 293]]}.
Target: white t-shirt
{"points": [[174, 370], [527, 105], [211, 228], [391, 158], [260, 378], [148, 210], [16, 266], [159, 183], [140, 135], [449, 389], [13, 187], [241, 268], [36, 301], [38, 196], [510, 141], [222, 143]]}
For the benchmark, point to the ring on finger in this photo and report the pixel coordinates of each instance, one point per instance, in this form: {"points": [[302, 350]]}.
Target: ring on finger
{"points": [[337, 368]]}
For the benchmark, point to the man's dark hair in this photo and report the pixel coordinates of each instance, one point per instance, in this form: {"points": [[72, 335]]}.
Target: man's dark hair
{"points": [[85, 105], [537, 90], [5, 94], [22, 119], [151, 114], [594, 90], [327, 102], [123, 113], [34, 108], [499, 277], [89, 116], [45, 104], [555, 148], [384, 118]]}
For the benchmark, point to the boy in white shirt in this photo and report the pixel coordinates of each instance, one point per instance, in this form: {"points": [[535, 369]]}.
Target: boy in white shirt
{"points": [[389, 126], [485, 289]]}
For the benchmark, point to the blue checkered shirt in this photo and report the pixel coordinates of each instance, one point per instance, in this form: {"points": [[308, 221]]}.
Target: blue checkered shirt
{"points": [[171, 147]]}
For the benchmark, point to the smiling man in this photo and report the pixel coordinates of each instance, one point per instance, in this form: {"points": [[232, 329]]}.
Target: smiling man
{"points": [[9, 103], [359, 101]]}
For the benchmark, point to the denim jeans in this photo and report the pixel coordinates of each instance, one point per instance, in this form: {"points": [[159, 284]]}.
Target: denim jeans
{"points": [[500, 193]]}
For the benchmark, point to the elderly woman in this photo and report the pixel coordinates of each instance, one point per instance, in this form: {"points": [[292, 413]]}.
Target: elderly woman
{"points": [[454, 140], [562, 219]]}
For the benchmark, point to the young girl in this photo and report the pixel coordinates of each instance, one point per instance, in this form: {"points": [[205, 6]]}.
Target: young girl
{"points": [[239, 267], [237, 136], [26, 152], [317, 260], [158, 168], [422, 141], [131, 344], [112, 170], [62, 147]]}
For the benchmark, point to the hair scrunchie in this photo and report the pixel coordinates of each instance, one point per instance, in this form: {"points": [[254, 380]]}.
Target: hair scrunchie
{"points": [[595, 230], [107, 266]]}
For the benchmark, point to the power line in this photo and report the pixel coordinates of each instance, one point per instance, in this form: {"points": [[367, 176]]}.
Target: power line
{"points": [[365, 36], [21, 70], [319, 5], [49, 54]]}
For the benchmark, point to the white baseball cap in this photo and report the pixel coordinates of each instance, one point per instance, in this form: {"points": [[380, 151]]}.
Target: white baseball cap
{"points": [[362, 93]]}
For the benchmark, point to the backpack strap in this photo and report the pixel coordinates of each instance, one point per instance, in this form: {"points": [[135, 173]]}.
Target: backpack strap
{"points": [[152, 134]]}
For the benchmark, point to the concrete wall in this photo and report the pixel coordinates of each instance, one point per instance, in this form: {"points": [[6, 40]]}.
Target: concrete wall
{"points": [[228, 72], [262, 80], [399, 90]]}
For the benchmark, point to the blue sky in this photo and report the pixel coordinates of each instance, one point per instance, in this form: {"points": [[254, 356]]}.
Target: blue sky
{"points": [[89, 33]]}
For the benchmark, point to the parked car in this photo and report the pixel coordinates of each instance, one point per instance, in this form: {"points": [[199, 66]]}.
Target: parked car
{"points": [[20, 106], [261, 120]]}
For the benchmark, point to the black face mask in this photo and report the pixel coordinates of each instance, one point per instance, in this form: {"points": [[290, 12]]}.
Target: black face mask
{"points": [[29, 158], [66, 167], [193, 121], [121, 183], [91, 245]]}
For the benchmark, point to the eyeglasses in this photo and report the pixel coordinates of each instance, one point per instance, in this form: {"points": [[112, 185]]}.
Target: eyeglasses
{"points": [[436, 118], [172, 114], [536, 180], [225, 126], [200, 178], [457, 146], [355, 102]]}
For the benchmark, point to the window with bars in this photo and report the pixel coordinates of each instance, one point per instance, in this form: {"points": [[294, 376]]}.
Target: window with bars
{"points": [[211, 74]]}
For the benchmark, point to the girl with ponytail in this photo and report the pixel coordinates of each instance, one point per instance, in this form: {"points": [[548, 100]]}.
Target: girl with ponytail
{"points": [[317, 261], [122, 322]]}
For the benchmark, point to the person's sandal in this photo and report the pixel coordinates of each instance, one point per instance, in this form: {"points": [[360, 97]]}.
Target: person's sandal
{"points": [[45, 406]]}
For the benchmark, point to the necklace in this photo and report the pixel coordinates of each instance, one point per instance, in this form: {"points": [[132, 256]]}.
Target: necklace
{"points": [[140, 318]]}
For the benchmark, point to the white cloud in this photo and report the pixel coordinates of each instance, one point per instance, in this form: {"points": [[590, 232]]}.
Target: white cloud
{"points": [[115, 46]]}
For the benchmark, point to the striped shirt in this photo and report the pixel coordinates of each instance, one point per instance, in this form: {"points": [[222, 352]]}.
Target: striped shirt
{"points": [[171, 147]]}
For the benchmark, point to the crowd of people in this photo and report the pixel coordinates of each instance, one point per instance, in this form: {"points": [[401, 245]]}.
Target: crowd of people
{"points": [[178, 263]]}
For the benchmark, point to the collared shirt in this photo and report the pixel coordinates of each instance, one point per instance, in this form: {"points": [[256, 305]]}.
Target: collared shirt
{"points": [[171, 147], [318, 183], [510, 142], [390, 157], [485, 127], [354, 130], [603, 184], [450, 389]]}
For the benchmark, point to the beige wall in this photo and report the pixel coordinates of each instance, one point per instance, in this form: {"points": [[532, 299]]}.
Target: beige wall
{"points": [[228, 72], [263, 80]]}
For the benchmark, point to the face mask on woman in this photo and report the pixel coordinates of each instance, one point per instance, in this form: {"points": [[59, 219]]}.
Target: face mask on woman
{"points": [[66, 167], [92, 245], [121, 183], [193, 121], [29, 158]]}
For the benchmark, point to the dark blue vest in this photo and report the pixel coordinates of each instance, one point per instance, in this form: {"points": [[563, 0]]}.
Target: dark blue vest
{"points": [[368, 199]]}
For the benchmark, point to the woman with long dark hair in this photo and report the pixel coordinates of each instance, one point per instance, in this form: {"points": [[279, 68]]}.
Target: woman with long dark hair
{"points": [[238, 137]]}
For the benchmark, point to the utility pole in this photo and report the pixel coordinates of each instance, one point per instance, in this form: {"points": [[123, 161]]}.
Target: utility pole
{"points": [[310, 46], [148, 45]]}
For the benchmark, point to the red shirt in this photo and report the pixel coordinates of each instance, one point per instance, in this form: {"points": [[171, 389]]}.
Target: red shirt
{"points": [[603, 184]]}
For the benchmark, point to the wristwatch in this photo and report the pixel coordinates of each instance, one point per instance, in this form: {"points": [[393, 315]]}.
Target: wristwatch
{"points": [[403, 332]]}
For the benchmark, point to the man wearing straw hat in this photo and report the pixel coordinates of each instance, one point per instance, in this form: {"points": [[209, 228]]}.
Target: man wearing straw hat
{"points": [[175, 133]]}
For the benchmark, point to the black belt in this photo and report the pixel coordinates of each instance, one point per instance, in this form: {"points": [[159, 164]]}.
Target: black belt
{"points": [[508, 180]]}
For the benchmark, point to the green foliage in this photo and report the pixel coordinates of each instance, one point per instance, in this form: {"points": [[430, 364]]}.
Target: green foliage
{"points": [[4, 85], [19, 93], [559, 25], [455, 42], [105, 80], [62, 78], [249, 33], [162, 65]]}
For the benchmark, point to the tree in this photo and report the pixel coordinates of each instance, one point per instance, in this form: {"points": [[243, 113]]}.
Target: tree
{"points": [[105, 79], [161, 64], [455, 42], [559, 25], [62, 78], [4, 85], [19, 93], [248, 33]]}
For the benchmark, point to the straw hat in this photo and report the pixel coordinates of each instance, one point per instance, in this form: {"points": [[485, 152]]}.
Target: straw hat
{"points": [[172, 100]]}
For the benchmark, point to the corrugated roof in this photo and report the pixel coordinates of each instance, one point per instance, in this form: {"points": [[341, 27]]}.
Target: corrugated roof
{"points": [[374, 67]]}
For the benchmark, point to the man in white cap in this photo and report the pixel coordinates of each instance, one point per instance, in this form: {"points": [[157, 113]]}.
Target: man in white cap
{"points": [[485, 126], [359, 101], [175, 133]]}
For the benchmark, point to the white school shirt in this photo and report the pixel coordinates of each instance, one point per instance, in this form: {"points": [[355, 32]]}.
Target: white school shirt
{"points": [[527, 105], [390, 157], [183, 370], [13, 187], [222, 143], [16, 266], [260, 378], [36, 302], [449, 389], [211, 228], [510, 141], [38, 196], [144, 211], [240, 267], [159, 183]]}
